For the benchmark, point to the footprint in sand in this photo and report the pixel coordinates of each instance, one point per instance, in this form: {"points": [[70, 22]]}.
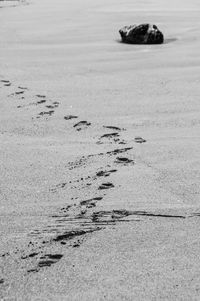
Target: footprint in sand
{"points": [[91, 202], [58, 186], [123, 160], [68, 235], [49, 113], [69, 117], [119, 151], [40, 96], [31, 255], [114, 128], [17, 93], [53, 106], [105, 173], [49, 259], [107, 185], [81, 125], [39, 102], [139, 140], [5, 82], [111, 138], [22, 88], [66, 209], [110, 135]]}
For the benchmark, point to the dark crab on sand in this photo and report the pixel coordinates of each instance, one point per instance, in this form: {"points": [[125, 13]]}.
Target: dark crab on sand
{"points": [[141, 34]]}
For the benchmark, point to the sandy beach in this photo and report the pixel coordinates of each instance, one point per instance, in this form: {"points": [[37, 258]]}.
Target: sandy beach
{"points": [[99, 152]]}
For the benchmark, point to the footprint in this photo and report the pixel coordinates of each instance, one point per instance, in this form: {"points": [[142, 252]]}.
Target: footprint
{"points": [[111, 138], [40, 101], [5, 81], [40, 96], [49, 259], [119, 151], [115, 128], [99, 198], [22, 88], [50, 113], [58, 186], [61, 185], [139, 140], [123, 160], [69, 117], [50, 106], [56, 103], [106, 186], [91, 202], [110, 135], [18, 93], [1, 281], [32, 271], [30, 255], [65, 209], [76, 245], [82, 124], [68, 235], [105, 173]]}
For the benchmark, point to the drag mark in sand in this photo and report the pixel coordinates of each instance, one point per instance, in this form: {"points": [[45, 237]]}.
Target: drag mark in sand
{"points": [[196, 214], [74, 227], [149, 214]]}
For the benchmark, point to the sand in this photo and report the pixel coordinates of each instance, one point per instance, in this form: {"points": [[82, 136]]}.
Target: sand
{"points": [[87, 211]]}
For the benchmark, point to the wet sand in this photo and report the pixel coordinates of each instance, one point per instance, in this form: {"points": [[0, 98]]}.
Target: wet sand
{"points": [[99, 193]]}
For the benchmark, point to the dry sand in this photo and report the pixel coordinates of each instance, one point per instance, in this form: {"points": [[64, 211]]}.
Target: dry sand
{"points": [[87, 213]]}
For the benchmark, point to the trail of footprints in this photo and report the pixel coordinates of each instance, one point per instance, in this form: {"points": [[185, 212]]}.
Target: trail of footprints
{"points": [[48, 106], [73, 223]]}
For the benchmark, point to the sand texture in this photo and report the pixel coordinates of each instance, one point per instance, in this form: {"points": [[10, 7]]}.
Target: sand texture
{"points": [[99, 152]]}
